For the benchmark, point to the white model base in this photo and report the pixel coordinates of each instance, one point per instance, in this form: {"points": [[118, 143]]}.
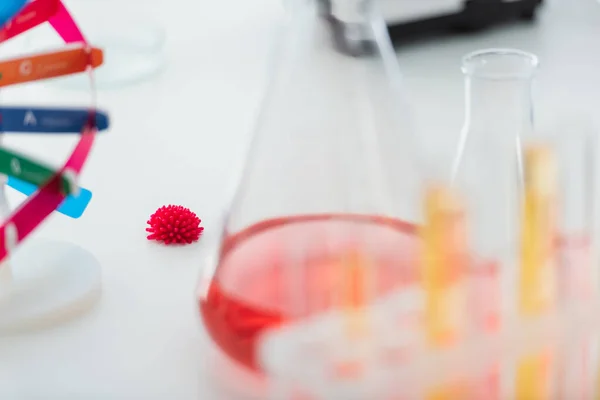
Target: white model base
{"points": [[47, 282]]}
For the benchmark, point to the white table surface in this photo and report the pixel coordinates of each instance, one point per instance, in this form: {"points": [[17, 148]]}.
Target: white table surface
{"points": [[176, 139]]}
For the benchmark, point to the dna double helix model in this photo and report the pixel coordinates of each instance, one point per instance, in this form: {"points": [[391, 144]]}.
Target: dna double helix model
{"points": [[47, 188]]}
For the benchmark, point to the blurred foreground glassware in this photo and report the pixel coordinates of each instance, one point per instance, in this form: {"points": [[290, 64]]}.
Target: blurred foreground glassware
{"points": [[324, 214], [304, 356], [573, 142], [549, 349]]}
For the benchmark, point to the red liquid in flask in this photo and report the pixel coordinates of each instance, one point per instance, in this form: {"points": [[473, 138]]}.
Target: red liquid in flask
{"points": [[281, 269]]}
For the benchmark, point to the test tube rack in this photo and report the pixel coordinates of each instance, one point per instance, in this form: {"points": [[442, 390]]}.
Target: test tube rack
{"points": [[314, 357]]}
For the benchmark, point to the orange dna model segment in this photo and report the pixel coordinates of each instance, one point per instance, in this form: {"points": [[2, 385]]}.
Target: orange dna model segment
{"points": [[49, 65]]}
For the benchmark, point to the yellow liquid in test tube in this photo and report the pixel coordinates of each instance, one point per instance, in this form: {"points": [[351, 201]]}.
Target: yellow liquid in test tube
{"points": [[357, 280], [537, 291], [443, 264]]}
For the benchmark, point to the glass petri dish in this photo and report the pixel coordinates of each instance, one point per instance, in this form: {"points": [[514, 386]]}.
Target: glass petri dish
{"points": [[133, 42]]}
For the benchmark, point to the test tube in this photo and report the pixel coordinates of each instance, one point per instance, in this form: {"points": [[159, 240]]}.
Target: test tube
{"points": [[443, 265], [444, 259], [575, 142], [356, 279], [538, 231], [537, 270]]}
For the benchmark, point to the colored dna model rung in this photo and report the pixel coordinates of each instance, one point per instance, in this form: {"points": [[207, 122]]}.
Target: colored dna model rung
{"points": [[47, 188]]}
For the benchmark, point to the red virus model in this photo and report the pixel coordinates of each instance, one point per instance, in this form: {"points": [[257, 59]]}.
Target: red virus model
{"points": [[174, 225]]}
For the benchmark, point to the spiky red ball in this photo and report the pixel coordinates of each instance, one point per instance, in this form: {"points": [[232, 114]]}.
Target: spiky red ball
{"points": [[174, 225]]}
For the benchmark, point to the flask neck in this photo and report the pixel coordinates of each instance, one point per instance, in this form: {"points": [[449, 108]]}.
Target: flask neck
{"points": [[340, 125], [499, 110], [499, 94], [346, 11], [296, 7], [349, 23]]}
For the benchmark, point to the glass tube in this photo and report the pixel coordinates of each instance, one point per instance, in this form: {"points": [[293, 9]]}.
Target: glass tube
{"points": [[573, 140]]}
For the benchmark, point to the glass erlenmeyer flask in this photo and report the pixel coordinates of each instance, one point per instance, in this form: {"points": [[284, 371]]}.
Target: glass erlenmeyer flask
{"points": [[488, 168], [330, 174], [499, 111]]}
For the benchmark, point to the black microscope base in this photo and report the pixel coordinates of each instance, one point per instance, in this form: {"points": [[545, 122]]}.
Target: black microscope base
{"points": [[475, 16]]}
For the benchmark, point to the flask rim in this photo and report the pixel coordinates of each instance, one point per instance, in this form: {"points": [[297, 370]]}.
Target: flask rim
{"points": [[500, 64]]}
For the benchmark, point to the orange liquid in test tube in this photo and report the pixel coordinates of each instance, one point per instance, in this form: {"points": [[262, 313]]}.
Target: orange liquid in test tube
{"points": [[443, 265], [354, 276], [356, 281], [537, 291]]}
